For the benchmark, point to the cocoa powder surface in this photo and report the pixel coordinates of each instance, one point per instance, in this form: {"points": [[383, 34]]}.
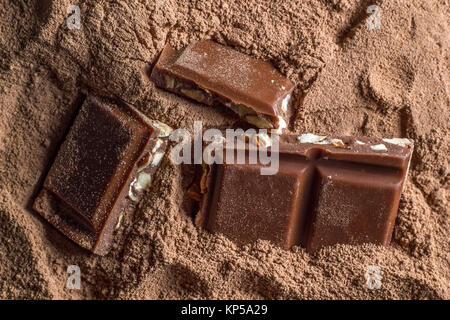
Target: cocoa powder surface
{"points": [[351, 80]]}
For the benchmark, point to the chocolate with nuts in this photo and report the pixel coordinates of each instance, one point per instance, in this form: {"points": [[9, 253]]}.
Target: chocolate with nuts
{"points": [[327, 191], [106, 162], [210, 73]]}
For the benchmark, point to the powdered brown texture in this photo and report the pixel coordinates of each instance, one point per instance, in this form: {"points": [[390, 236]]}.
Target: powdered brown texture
{"points": [[352, 80]]}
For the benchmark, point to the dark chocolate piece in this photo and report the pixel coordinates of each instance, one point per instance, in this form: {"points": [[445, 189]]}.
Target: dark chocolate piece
{"points": [[327, 191], [104, 165], [211, 73]]}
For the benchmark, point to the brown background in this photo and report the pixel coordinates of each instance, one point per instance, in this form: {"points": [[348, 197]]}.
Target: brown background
{"points": [[391, 82]]}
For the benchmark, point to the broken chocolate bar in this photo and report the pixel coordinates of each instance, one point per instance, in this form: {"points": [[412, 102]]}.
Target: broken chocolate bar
{"points": [[105, 164], [210, 73], [327, 191]]}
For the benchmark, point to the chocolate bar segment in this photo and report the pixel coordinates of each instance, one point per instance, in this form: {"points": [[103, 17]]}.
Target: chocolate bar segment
{"points": [[106, 162], [327, 191], [239, 205], [210, 73]]}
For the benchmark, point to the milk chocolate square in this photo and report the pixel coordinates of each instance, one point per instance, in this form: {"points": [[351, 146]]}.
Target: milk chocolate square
{"points": [[353, 204], [106, 162], [240, 205], [210, 73]]}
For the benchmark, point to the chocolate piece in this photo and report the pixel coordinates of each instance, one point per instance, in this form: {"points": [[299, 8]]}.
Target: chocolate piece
{"points": [[106, 162], [210, 73], [327, 191]]}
